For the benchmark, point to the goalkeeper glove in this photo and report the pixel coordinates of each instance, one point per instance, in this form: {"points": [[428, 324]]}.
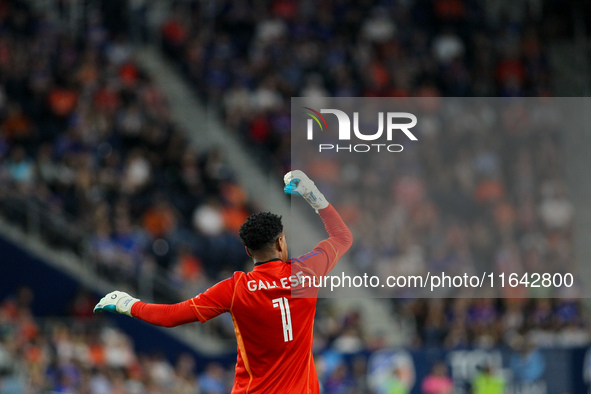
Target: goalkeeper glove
{"points": [[116, 302], [296, 182]]}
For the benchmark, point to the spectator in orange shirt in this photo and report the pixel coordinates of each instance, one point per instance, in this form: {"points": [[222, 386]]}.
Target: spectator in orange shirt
{"points": [[160, 219], [62, 101], [17, 126]]}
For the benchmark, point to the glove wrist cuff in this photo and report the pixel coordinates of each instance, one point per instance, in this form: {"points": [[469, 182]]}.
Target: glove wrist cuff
{"points": [[316, 200], [124, 305]]}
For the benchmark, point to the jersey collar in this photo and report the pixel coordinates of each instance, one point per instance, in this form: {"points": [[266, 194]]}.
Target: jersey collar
{"points": [[265, 262]]}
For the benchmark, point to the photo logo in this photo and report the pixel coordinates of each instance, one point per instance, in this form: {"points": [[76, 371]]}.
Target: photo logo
{"points": [[314, 116], [347, 128]]}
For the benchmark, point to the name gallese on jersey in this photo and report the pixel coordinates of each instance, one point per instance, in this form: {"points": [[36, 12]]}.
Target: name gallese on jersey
{"points": [[287, 282]]}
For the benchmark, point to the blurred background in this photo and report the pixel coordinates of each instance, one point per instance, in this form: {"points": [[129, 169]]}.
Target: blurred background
{"points": [[136, 137]]}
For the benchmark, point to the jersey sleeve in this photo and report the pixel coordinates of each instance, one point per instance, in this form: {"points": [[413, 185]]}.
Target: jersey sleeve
{"points": [[205, 306], [214, 301], [322, 259]]}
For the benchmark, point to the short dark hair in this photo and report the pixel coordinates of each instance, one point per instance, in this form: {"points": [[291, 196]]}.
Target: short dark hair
{"points": [[260, 230]]}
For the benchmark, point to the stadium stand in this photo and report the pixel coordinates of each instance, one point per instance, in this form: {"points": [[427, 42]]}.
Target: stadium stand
{"points": [[516, 199], [84, 129], [249, 61], [85, 354]]}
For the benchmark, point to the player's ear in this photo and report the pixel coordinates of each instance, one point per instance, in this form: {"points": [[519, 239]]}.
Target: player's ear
{"points": [[279, 243], [248, 252]]}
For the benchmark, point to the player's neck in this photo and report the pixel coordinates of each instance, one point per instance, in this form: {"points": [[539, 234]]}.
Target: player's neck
{"points": [[265, 257]]}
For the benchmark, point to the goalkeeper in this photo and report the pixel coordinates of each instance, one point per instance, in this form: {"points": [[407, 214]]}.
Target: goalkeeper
{"points": [[273, 328]]}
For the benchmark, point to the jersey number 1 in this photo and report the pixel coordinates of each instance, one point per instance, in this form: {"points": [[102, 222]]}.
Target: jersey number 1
{"points": [[285, 317]]}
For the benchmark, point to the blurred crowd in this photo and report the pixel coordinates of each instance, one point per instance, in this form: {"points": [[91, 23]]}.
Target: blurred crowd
{"points": [[87, 138], [249, 58], [85, 354], [487, 193], [92, 158]]}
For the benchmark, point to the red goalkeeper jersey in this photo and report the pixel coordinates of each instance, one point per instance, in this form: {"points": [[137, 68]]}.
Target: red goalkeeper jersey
{"points": [[273, 329]]}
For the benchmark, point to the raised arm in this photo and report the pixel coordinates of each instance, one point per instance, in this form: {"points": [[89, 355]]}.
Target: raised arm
{"points": [[327, 252], [339, 238]]}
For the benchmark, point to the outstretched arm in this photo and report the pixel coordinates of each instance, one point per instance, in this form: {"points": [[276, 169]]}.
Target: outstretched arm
{"points": [[209, 304], [165, 315]]}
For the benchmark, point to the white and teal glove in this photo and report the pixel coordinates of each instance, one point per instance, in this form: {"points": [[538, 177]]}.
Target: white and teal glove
{"points": [[296, 182], [116, 302]]}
